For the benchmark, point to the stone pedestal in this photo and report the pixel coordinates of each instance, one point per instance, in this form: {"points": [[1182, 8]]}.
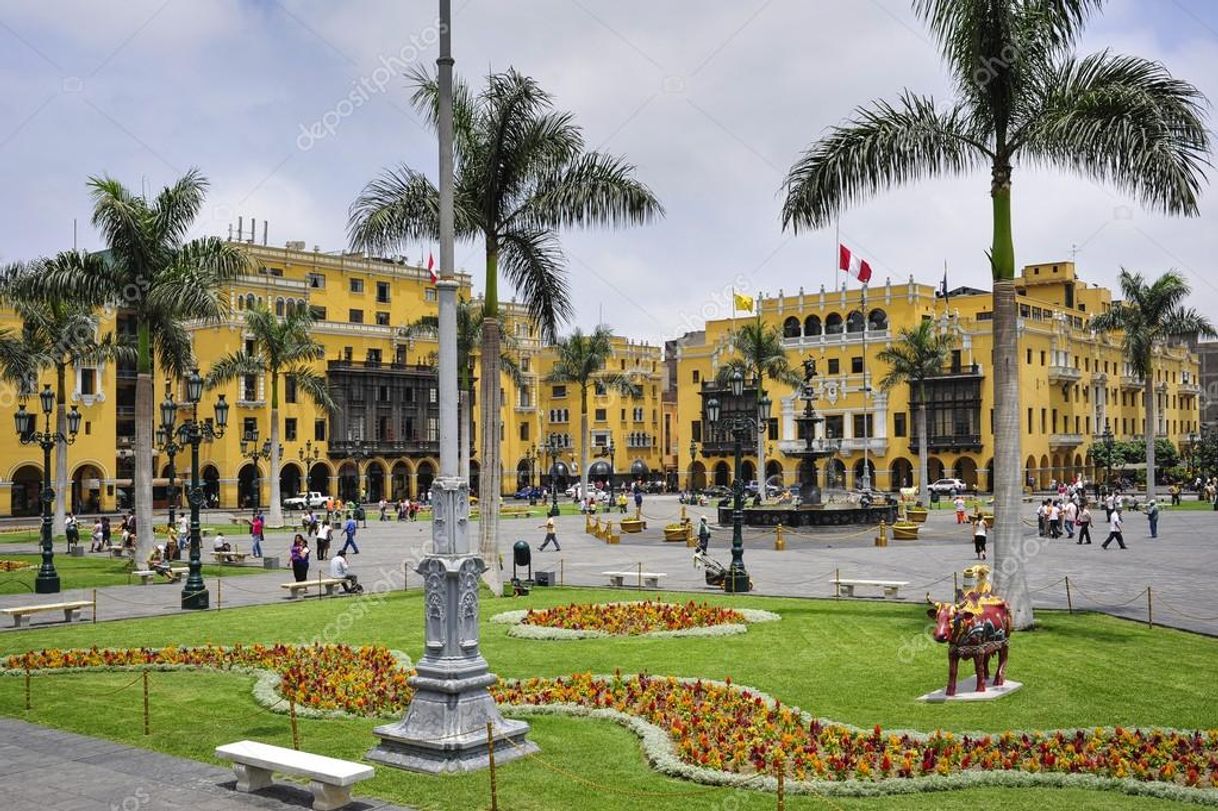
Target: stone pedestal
{"points": [[444, 729], [966, 690]]}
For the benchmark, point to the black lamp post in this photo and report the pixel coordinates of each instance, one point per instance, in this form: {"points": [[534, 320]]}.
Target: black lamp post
{"points": [[251, 450], [359, 454], [308, 453], [609, 451], [693, 457], [192, 432], [166, 441], [552, 451], [1108, 455], [47, 581], [739, 425]]}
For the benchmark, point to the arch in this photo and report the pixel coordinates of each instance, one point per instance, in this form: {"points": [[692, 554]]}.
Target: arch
{"points": [[425, 473], [812, 326], [723, 474], [855, 321], [290, 479], [989, 477], [27, 489], [790, 327], [901, 474], [1046, 473], [475, 477], [877, 319], [698, 476], [774, 472], [87, 488], [211, 484], [249, 487], [835, 474], [833, 324], [250, 301], [639, 469], [965, 470], [279, 306], [319, 478], [748, 471], [1055, 463], [559, 474], [935, 469], [348, 481], [1030, 476], [399, 480], [374, 478], [524, 474], [599, 471], [858, 474]]}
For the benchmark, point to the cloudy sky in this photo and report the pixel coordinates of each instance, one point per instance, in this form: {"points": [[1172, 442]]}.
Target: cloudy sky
{"points": [[712, 101]]}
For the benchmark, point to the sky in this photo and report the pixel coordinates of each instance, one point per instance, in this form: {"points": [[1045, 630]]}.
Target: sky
{"points": [[290, 106]]}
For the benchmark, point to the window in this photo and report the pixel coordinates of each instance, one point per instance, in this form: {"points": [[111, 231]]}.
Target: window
{"points": [[382, 318], [863, 425], [955, 361], [382, 292], [623, 415], [524, 432], [856, 365], [1029, 420], [429, 294], [558, 391], [524, 364], [319, 312], [316, 281], [373, 358], [248, 426], [599, 387], [249, 388], [88, 381], [771, 428], [289, 429], [899, 425], [289, 388], [1042, 357], [600, 415], [382, 394], [347, 353], [695, 430], [355, 316], [835, 426], [357, 285], [835, 366], [697, 377], [1029, 357]]}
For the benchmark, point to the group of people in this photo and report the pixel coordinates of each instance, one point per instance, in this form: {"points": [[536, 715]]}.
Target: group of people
{"points": [[1072, 515], [405, 509]]}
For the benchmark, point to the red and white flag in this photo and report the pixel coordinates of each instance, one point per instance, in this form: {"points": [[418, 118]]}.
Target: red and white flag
{"points": [[853, 264], [431, 267]]}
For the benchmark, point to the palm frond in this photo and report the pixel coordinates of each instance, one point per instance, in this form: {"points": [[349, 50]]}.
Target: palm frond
{"points": [[396, 209], [232, 366], [176, 206], [172, 344], [314, 385], [532, 262], [592, 189]]}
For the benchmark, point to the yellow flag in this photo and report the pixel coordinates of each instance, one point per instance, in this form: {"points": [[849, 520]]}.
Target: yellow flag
{"points": [[742, 302]]}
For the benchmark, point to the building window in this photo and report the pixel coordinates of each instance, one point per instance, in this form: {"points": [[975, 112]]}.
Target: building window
{"points": [[289, 429], [1042, 357], [695, 430], [863, 425], [524, 364], [373, 358], [599, 387], [382, 292], [289, 388], [558, 391], [771, 426], [835, 426], [697, 376], [249, 388], [382, 319], [319, 312], [835, 366], [357, 285], [599, 415], [899, 425], [248, 426], [355, 316], [856, 365], [316, 281], [1029, 357], [88, 381], [524, 432], [429, 294]]}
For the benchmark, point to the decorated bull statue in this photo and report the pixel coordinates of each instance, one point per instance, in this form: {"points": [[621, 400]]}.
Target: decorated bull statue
{"points": [[975, 627]]}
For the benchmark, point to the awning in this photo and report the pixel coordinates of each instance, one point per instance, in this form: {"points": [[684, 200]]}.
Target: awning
{"points": [[600, 469], [639, 468], [559, 470]]}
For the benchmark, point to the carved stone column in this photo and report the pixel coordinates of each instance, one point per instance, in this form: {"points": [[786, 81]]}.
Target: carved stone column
{"points": [[444, 729]]}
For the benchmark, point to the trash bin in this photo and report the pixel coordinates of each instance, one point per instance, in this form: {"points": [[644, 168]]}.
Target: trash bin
{"points": [[522, 555], [934, 496]]}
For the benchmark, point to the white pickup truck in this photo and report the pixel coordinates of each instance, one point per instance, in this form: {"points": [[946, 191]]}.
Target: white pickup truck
{"points": [[302, 501]]}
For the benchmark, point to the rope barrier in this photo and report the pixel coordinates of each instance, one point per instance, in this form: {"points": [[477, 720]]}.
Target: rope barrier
{"points": [[1108, 605], [1046, 588], [1178, 612]]}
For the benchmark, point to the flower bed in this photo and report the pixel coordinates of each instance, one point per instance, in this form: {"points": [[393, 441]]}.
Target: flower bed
{"points": [[646, 618], [14, 565]]}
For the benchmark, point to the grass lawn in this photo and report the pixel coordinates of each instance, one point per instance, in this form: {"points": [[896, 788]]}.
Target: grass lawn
{"points": [[858, 662], [93, 572]]}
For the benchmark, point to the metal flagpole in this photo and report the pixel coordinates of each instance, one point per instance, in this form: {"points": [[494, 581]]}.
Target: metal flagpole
{"points": [[447, 285], [866, 395]]}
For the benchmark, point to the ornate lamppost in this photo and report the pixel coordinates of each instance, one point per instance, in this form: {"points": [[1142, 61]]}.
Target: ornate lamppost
{"points": [[1108, 455], [192, 432], [693, 457], [739, 425], [251, 450], [552, 451], [166, 442], [47, 580], [308, 453], [609, 451]]}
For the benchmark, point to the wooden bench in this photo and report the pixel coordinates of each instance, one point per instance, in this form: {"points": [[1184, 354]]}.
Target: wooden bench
{"points": [[229, 557], [71, 611], [845, 588], [146, 576], [327, 583], [650, 579], [330, 778]]}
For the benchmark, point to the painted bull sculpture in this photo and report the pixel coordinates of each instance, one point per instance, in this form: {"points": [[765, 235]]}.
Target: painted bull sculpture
{"points": [[976, 627]]}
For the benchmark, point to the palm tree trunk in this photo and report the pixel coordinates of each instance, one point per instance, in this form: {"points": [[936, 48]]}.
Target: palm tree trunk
{"points": [[583, 442], [59, 522], [923, 450], [463, 435], [144, 396], [1010, 575], [275, 508], [1151, 432], [488, 478]]}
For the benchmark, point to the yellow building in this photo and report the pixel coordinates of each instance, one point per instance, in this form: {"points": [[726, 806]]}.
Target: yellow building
{"points": [[1073, 383], [382, 440]]}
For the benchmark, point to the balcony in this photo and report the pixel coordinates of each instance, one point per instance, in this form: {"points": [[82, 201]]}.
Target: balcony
{"points": [[1065, 440], [956, 442], [1132, 382], [1064, 374], [381, 365], [960, 370], [1190, 388], [343, 448]]}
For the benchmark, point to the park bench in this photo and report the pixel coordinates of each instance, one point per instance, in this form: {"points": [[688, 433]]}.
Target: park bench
{"points": [[229, 557], [297, 588], [650, 579], [146, 576], [330, 778], [71, 611], [845, 588]]}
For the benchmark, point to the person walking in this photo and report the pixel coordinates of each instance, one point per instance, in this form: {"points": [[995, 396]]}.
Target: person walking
{"points": [[551, 536], [300, 558], [704, 534], [324, 531], [1114, 531], [980, 533], [1070, 517], [1055, 520], [959, 505], [256, 527], [1084, 525], [349, 528], [1152, 515]]}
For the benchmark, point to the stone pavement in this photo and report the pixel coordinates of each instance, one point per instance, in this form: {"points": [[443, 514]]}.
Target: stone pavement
{"points": [[1179, 567], [42, 768]]}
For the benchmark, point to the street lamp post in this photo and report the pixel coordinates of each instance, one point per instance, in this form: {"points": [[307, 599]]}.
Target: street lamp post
{"points": [[47, 580], [250, 449], [739, 425], [192, 432], [166, 441], [609, 449], [1108, 455], [552, 451]]}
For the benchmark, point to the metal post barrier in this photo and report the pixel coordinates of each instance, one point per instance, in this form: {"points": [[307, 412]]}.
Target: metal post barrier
{"points": [[319, 589], [405, 575], [490, 755], [147, 725], [295, 729], [837, 583], [1150, 615], [955, 585], [219, 600], [1069, 601], [27, 686], [94, 606], [780, 543], [782, 793], [640, 575], [561, 580]]}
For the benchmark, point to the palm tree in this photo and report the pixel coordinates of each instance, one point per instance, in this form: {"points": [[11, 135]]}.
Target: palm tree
{"points": [[163, 280], [917, 354], [1021, 92], [522, 172], [759, 355], [61, 332], [469, 338], [581, 360], [1148, 317], [281, 347]]}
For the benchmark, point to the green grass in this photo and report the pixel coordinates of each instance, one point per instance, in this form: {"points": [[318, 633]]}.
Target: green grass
{"points": [[93, 572], [857, 662]]}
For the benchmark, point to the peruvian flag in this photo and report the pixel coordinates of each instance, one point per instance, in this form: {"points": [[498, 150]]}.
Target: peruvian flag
{"points": [[431, 267], [852, 264]]}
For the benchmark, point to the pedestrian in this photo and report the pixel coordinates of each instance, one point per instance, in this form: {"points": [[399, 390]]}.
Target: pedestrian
{"points": [[383, 505], [1069, 517], [1114, 531], [1109, 505], [1084, 525], [324, 531], [704, 534], [959, 505], [98, 544], [638, 497], [1152, 515], [349, 528], [107, 531], [1055, 520], [256, 526], [1042, 519], [551, 536], [979, 536], [300, 558]]}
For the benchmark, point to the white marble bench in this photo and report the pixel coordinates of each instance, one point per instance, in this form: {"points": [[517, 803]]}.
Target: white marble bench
{"points": [[845, 587], [650, 579], [71, 611], [330, 778], [146, 576], [327, 583]]}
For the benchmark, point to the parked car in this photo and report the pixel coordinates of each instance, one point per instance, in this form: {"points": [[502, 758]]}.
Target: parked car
{"points": [[529, 493], [948, 486], [717, 491], [771, 490], [302, 501]]}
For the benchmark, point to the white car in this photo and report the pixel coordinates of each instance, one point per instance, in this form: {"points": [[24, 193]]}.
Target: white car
{"points": [[602, 496], [948, 486], [302, 501]]}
